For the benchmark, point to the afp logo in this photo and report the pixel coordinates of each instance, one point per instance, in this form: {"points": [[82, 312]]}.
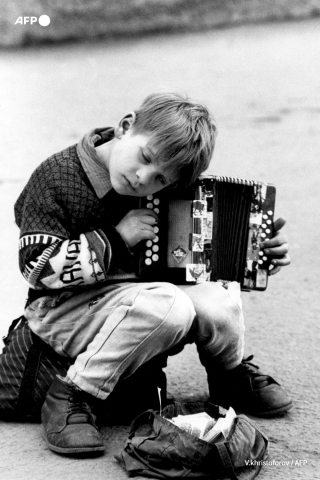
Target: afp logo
{"points": [[43, 20]]}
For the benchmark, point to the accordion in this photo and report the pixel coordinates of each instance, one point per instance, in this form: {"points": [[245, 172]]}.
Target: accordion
{"points": [[210, 231]]}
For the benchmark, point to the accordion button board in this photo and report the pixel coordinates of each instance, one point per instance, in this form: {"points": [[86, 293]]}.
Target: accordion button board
{"points": [[151, 252], [211, 231]]}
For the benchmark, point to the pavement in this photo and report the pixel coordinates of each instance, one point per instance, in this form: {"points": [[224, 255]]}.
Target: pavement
{"points": [[263, 85]]}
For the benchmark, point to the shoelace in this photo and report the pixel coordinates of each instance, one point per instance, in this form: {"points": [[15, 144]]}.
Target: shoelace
{"points": [[251, 369], [79, 410], [247, 361]]}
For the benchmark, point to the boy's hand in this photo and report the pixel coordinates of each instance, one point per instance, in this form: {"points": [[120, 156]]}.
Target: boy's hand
{"points": [[138, 225], [277, 247]]}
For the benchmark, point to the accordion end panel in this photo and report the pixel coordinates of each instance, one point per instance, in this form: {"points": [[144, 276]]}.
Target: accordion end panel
{"points": [[260, 229]]}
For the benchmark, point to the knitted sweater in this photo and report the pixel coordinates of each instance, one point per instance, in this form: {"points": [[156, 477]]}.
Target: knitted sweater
{"points": [[67, 234]]}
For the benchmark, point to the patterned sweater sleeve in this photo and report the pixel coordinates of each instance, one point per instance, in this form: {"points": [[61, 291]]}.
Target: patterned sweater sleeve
{"points": [[50, 255]]}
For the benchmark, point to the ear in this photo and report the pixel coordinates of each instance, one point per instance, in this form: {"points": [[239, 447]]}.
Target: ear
{"points": [[124, 125], [128, 121]]}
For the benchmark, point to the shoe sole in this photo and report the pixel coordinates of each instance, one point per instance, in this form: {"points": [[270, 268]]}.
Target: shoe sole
{"points": [[70, 450], [271, 413]]}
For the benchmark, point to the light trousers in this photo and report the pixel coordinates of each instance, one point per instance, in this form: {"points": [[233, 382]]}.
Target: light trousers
{"points": [[111, 330]]}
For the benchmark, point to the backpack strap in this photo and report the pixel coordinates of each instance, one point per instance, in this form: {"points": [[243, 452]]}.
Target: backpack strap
{"points": [[14, 324], [25, 402], [226, 460]]}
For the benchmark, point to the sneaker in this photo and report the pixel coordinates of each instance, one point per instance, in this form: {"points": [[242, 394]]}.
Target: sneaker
{"points": [[248, 390], [68, 423]]}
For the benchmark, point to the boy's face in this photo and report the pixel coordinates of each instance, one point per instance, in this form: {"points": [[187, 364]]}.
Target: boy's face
{"points": [[133, 167]]}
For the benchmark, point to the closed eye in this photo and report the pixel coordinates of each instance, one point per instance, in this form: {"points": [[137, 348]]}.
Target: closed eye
{"points": [[161, 179], [146, 158]]}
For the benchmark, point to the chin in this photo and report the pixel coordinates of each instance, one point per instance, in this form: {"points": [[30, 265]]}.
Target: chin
{"points": [[121, 190], [124, 190]]}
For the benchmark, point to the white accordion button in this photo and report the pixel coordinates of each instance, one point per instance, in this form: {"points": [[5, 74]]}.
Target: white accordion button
{"points": [[149, 197], [156, 239], [156, 201], [156, 210], [148, 253], [149, 243], [270, 212], [155, 257], [149, 205], [156, 229], [155, 248], [148, 261]]}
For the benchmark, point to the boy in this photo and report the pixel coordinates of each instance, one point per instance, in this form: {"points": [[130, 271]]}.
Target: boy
{"points": [[80, 225]]}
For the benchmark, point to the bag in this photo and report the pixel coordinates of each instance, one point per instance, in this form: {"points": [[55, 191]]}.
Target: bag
{"points": [[28, 366], [159, 449]]}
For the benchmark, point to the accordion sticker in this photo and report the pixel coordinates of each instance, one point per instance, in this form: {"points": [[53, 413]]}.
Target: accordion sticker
{"points": [[211, 231]]}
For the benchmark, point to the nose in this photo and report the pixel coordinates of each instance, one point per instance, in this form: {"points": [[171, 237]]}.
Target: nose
{"points": [[144, 175]]}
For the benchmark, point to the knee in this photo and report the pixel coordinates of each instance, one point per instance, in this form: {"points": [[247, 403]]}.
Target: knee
{"points": [[229, 324], [220, 316], [180, 312]]}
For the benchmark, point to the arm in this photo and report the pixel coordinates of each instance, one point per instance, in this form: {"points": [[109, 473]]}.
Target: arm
{"points": [[50, 256], [277, 247]]}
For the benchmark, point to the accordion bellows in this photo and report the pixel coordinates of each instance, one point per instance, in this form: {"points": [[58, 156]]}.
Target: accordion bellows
{"points": [[211, 231]]}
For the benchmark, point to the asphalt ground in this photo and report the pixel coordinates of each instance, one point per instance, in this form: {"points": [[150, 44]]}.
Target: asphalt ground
{"points": [[263, 85]]}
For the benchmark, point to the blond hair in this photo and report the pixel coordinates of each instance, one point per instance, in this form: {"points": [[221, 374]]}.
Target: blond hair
{"points": [[183, 133]]}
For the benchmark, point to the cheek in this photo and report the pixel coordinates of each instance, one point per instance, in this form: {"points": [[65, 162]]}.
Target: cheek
{"points": [[117, 162], [125, 160]]}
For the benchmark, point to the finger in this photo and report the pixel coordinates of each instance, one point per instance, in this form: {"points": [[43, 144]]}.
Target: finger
{"points": [[279, 239], [279, 223], [282, 261], [148, 212], [145, 226], [274, 270], [148, 220], [277, 251], [147, 234], [149, 228]]}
